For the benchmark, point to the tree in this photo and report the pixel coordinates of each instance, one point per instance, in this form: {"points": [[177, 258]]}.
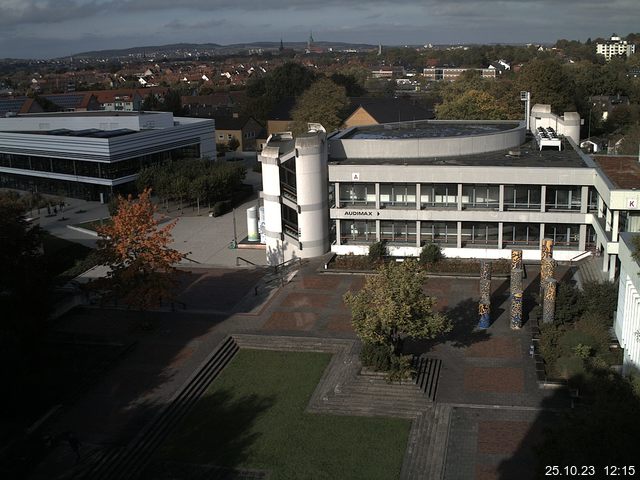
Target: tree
{"points": [[233, 144], [392, 306], [548, 83], [24, 301], [142, 267], [472, 105], [324, 102], [352, 87]]}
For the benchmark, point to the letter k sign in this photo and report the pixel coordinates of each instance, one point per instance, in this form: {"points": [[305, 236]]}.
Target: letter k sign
{"points": [[632, 203]]}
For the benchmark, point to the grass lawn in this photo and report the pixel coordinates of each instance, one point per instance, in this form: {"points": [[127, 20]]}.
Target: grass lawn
{"points": [[94, 224], [65, 259], [252, 416]]}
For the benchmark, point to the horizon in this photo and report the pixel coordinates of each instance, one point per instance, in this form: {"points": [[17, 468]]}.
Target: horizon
{"points": [[44, 29]]}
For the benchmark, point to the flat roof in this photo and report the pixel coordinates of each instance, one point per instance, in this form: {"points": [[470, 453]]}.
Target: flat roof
{"points": [[89, 113], [623, 171], [529, 156], [428, 129]]}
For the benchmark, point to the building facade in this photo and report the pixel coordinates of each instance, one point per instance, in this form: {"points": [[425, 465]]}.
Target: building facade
{"points": [[615, 47], [452, 74], [478, 189], [93, 155], [627, 317]]}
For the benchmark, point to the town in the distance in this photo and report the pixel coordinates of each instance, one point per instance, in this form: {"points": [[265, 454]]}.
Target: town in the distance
{"points": [[317, 259]]}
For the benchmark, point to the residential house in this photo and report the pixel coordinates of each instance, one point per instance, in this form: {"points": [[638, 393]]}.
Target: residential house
{"points": [[244, 129], [375, 111]]}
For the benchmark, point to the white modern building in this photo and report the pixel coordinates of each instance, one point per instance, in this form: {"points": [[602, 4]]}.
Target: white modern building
{"points": [[476, 188], [94, 154], [627, 320], [615, 47]]}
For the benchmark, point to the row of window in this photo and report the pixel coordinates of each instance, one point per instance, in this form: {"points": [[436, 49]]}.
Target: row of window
{"points": [[472, 234], [83, 168], [442, 195]]}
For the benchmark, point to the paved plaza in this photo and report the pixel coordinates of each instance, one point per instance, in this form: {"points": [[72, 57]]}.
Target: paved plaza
{"points": [[487, 383], [204, 239]]}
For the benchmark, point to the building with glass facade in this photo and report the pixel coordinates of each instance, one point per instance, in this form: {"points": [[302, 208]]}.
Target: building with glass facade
{"points": [[92, 155], [477, 188]]}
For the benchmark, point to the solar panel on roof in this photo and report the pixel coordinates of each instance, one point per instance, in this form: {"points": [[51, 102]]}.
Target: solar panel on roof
{"points": [[85, 133], [11, 105], [60, 131], [67, 101], [112, 133]]}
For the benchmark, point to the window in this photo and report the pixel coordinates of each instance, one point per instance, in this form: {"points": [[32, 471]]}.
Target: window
{"points": [[522, 197], [357, 231], [521, 234], [592, 202], [481, 196], [290, 221], [591, 242], [445, 233], [288, 182], [398, 232], [563, 198], [439, 195], [480, 234], [564, 235], [357, 194], [397, 195]]}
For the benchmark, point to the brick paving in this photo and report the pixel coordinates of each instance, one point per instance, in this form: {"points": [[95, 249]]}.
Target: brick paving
{"points": [[496, 347], [302, 300], [494, 379], [501, 436], [340, 323], [293, 321]]}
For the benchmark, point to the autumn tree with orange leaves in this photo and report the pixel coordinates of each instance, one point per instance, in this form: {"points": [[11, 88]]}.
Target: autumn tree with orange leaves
{"points": [[143, 272]]}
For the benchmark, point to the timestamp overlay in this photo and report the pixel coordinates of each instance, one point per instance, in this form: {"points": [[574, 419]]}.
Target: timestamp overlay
{"points": [[607, 471]]}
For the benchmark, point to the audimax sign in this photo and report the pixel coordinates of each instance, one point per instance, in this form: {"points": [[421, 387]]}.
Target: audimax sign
{"points": [[361, 213]]}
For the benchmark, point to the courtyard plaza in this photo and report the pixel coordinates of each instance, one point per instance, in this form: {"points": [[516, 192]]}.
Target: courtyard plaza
{"points": [[495, 409]]}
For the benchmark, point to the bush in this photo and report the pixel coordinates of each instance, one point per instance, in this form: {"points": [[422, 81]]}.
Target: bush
{"points": [[352, 262], [114, 205], [400, 368], [376, 356], [600, 299], [380, 358], [220, 208], [431, 253], [568, 367], [573, 338], [549, 336], [569, 304], [597, 328], [378, 250]]}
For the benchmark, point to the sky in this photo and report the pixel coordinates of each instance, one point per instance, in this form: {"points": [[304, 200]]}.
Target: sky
{"points": [[55, 28]]}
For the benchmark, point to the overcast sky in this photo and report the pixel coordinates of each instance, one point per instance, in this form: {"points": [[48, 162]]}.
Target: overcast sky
{"points": [[52, 28]]}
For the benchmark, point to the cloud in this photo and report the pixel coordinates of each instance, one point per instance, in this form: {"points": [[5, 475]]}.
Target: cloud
{"points": [[177, 24]]}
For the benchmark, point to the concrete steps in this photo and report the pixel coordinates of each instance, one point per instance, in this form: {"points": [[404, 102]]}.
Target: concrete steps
{"points": [[426, 450], [427, 375], [590, 270], [129, 462]]}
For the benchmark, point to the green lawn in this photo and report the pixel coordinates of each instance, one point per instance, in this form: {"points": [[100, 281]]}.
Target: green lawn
{"points": [[252, 416], [65, 259], [94, 224]]}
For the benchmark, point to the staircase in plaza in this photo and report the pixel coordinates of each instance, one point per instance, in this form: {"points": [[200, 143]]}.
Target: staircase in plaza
{"points": [[129, 461]]}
